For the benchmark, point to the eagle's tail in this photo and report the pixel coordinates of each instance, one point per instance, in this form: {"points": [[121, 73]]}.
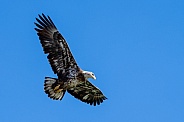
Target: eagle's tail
{"points": [[53, 88]]}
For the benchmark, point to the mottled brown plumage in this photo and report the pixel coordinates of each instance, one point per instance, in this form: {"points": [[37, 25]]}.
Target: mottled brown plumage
{"points": [[70, 77]]}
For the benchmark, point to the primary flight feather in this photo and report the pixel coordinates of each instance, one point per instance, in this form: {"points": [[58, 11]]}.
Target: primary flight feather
{"points": [[71, 77]]}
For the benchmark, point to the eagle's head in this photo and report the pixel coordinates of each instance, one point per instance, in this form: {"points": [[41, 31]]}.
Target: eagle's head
{"points": [[88, 74]]}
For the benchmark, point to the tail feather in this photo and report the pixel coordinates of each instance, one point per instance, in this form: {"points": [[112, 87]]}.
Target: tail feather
{"points": [[53, 89]]}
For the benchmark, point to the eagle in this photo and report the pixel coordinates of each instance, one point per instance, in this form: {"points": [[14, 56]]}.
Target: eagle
{"points": [[70, 77]]}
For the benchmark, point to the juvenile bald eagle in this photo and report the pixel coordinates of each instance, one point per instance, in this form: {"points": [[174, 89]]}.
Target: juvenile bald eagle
{"points": [[71, 77]]}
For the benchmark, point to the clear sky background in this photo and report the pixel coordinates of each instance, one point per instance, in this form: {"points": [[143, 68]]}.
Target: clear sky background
{"points": [[134, 47]]}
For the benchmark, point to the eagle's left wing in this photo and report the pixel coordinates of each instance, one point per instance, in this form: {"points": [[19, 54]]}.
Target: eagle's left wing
{"points": [[53, 43], [88, 93]]}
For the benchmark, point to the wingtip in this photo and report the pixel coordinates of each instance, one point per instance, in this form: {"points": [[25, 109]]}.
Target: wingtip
{"points": [[40, 15]]}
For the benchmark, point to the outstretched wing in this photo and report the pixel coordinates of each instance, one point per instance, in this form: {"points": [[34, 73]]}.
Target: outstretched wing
{"points": [[53, 43], [88, 93]]}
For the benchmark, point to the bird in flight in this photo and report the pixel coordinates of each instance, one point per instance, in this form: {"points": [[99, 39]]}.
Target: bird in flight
{"points": [[70, 77]]}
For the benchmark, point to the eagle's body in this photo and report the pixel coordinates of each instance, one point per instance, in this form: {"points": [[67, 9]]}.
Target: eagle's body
{"points": [[71, 78]]}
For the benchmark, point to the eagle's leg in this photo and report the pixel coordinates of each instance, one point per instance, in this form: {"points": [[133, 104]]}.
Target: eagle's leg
{"points": [[57, 89]]}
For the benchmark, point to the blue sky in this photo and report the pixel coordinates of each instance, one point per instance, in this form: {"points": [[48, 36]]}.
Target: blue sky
{"points": [[134, 47]]}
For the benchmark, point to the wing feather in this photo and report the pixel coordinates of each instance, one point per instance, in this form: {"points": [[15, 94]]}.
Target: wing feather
{"points": [[53, 43], [88, 93]]}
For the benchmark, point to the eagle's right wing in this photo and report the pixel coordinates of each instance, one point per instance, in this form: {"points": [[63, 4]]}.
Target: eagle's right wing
{"points": [[88, 93], [55, 46]]}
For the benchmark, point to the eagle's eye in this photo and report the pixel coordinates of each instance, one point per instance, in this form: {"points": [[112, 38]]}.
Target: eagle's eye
{"points": [[92, 74]]}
